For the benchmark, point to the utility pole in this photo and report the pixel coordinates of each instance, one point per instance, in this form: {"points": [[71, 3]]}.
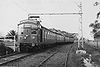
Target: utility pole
{"points": [[80, 39]]}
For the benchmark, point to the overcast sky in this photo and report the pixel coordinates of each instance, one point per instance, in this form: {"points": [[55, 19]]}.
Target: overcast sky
{"points": [[13, 11]]}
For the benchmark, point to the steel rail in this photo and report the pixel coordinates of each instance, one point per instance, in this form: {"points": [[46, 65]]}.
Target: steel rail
{"points": [[47, 59], [7, 55], [53, 55], [67, 56], [12, 58]]}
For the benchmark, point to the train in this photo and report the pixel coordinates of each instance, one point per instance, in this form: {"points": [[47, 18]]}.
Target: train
{"points": [[32, 34]]}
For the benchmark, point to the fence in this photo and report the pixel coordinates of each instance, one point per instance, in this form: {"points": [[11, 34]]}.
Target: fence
{"points": [[9, 42]]}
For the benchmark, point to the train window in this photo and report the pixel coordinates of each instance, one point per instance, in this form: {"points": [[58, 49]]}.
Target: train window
{"points": [[33, 32], [30, 26], [45, 34], [27, 25], [21, 32]]}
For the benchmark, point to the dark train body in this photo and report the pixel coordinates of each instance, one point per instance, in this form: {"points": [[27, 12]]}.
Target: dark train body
{"points": [[32, 34]]}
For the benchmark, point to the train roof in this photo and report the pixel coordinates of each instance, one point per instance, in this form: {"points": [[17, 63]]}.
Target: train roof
{"points": [[31, 21], [56, 32], [27, 21], [51, 31]]}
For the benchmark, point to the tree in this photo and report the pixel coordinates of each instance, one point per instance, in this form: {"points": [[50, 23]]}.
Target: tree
{"points": [[96, 25], [96, 28], [91, 25], [11, 34]]}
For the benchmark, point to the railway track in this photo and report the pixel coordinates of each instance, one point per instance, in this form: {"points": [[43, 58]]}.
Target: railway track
{"points": [[47, 59], [66, 61], [67, 56], [7, 55], [14, 57]]}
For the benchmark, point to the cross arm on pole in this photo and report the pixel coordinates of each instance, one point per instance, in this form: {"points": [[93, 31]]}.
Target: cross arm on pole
{"points": [[55, 13]]}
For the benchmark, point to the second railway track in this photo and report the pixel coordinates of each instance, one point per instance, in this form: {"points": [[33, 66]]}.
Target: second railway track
{"points": [[7, 59]]}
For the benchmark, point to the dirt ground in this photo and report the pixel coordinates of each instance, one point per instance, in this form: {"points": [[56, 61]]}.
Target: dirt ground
{"points": [[95, 54], [74, 59], [90, 59]]}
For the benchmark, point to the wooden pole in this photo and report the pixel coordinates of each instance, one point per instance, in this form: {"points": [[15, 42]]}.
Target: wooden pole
{"points": [[14, 44]]}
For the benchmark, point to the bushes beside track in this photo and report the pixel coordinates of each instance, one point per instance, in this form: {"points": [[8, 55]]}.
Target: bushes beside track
{"points": [[5, 50], [2, 49]]}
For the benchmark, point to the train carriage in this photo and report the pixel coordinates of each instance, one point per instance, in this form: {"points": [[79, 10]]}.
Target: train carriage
{"points": [[32, 34], [50, 37], [28, 34]]}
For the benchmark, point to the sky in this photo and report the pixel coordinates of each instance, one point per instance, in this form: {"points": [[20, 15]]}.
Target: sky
{"points": [[13, 11]]}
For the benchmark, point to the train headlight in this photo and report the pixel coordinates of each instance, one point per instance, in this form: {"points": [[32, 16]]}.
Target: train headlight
{"points": [[33, 44], [33, 37], [24, 37]]}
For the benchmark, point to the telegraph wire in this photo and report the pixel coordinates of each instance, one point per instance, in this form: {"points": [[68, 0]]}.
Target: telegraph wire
{"points": [[54, 13]]}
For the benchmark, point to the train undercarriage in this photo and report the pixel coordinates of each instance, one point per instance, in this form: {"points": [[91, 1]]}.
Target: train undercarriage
{"points": [[26, 47]]}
